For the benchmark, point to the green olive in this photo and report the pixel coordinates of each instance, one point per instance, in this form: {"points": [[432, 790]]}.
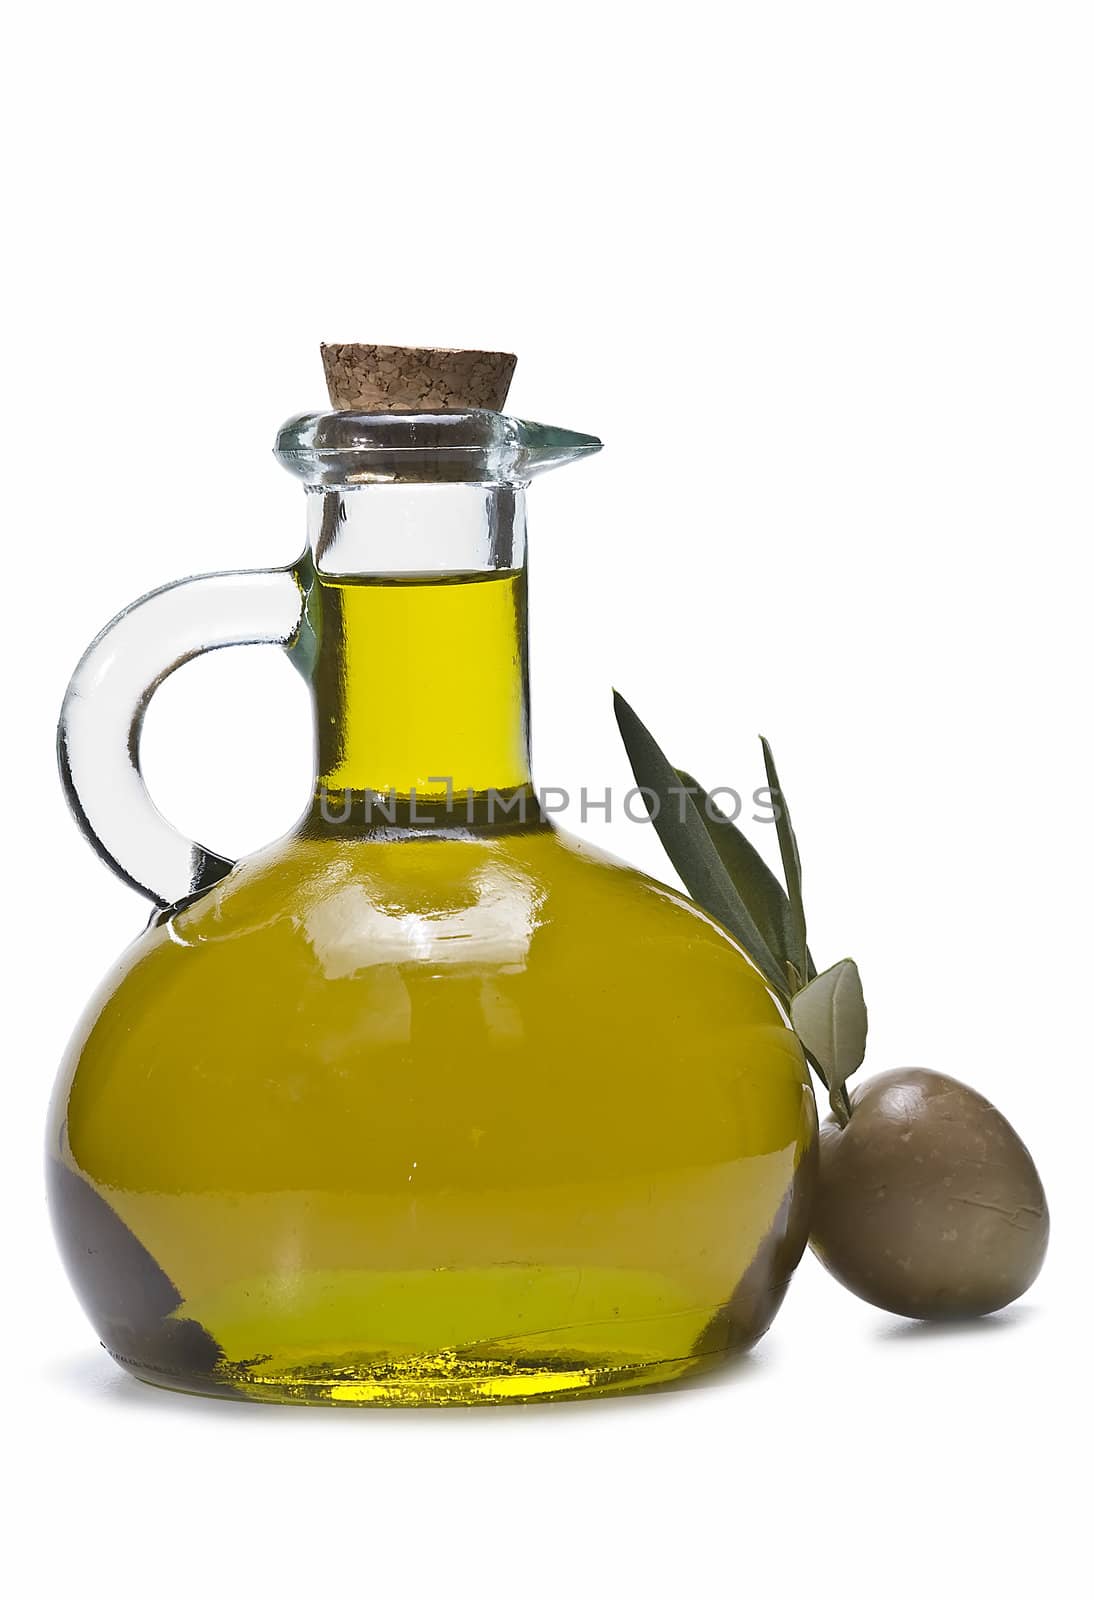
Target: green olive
{"points": [[928, 1203]]}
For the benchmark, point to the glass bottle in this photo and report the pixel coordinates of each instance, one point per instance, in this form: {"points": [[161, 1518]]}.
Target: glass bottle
{"points": [[427, 1102]]}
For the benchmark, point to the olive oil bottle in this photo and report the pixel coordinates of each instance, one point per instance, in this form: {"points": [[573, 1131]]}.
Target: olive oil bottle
{"points": [[426, 1103]]}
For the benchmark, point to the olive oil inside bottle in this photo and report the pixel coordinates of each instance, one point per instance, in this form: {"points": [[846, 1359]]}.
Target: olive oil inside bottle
{"points": [[423, 684], [403, 1122]]}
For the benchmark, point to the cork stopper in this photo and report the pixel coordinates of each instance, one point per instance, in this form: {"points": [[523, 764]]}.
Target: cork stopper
{"points": [[392, 377]]}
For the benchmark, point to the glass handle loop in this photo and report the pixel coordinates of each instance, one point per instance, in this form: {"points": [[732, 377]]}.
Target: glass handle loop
{"points": [[98, 736]]}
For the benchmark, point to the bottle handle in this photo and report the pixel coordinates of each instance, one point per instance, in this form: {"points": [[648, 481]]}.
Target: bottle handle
{"points": [[98, 736]]}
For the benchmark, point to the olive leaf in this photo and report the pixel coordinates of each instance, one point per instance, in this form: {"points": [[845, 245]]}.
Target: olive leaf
{"points": [[731, 880], [689, 845], [791, 860], [829, 1017], [757, 885]]}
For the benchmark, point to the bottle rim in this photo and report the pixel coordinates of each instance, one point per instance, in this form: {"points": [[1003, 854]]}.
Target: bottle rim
{"points": [[331, 449]]}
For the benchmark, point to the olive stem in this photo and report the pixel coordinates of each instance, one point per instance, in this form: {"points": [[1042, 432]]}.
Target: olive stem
{"points": [[841, 1105], [837, 1097]]}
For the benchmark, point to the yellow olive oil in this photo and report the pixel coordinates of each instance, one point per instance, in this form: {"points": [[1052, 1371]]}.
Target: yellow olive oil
{"points": [[397, 1117], [424, 684]]}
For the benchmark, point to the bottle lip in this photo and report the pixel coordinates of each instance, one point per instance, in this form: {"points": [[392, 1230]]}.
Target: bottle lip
{"points": [[330, 449]]}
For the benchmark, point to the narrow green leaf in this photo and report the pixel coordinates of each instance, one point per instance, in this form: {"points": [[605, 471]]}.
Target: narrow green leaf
{"points": [[689, 846], [829, 1016], [791, 860], [757, 885]]}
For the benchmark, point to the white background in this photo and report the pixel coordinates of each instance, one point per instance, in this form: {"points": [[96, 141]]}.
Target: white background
{"points": [[822, 277]]}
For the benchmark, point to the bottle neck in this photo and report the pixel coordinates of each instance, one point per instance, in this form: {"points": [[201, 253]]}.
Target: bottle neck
{"points": [[419, 609]]}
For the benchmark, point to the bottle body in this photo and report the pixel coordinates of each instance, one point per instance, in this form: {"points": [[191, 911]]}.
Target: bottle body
{"points": [[427, 1120]]}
